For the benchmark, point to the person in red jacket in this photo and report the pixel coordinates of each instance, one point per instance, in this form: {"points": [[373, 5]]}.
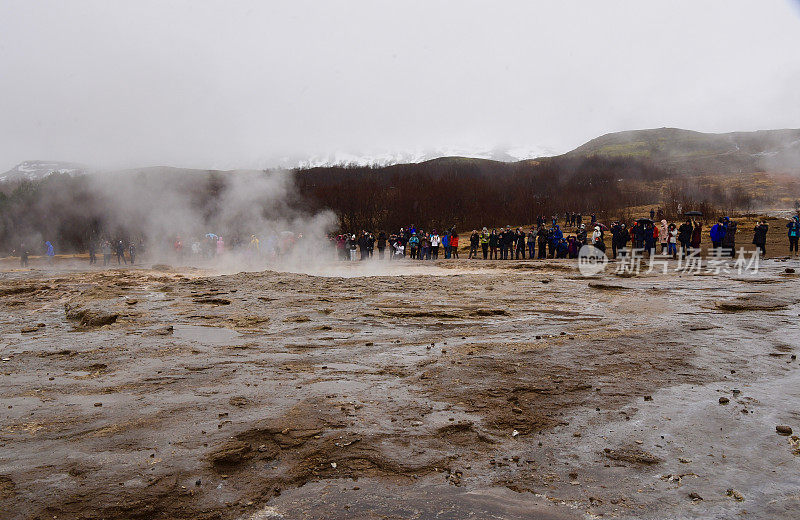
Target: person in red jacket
{"points": [[453, 243]]}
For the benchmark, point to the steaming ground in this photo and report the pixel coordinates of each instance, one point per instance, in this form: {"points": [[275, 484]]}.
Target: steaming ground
{"points": [[460, 390]]}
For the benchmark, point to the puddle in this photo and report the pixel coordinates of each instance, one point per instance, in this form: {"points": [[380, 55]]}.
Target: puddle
{"points": [[207, 335], [370, 498]]}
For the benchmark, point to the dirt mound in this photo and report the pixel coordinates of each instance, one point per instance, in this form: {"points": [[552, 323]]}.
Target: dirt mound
{"points": [[7, 487], [89, 316], [489, 312], [633, 455], [212, 301], [413, 313], [230, 453], [19, 289], [752, 303], [607, 287]]}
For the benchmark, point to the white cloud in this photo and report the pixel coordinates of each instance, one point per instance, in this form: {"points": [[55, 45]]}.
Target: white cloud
{"points": [[245, 83]]}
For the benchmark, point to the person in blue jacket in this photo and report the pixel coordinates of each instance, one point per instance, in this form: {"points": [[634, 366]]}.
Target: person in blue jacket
{"points": [[555, 237], [50, 252], [446, 244], [794, 233], [717, 233]]}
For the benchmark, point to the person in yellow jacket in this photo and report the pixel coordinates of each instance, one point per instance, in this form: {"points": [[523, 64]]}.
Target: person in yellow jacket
{"points": [[485, 243], [254, 247]]}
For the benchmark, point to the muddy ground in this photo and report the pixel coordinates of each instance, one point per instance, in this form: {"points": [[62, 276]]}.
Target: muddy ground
{"points": [[461, 389]]}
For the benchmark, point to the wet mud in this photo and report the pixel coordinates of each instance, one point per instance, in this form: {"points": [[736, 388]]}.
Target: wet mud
{"points": [[460, 390]]}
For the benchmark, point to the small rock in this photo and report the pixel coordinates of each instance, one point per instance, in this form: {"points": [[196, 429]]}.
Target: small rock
{"points": [[161, 331], [789, 270], [724, 400], [197, 482], [648, 398], [98, 404], [735, 495], [695, 497], [238, 401], [683, 460], [782, 429]]}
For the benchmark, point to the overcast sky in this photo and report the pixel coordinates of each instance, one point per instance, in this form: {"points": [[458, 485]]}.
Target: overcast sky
{"points": [[244, 83]]}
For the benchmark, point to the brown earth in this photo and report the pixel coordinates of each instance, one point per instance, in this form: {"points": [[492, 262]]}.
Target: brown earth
{"points": [[253, 395]]}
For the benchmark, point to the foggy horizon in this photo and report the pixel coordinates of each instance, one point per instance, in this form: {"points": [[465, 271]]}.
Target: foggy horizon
{"points": [[257, 85]]}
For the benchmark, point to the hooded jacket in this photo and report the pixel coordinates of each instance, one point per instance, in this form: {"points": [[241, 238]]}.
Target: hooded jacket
{"points": [[663, 232], [717, 232], [794, 228], [557, 234]]}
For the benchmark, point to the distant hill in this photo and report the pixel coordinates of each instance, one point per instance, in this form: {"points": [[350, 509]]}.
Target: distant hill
{"points": [[696, 152], [673, 150], [35, 170]]}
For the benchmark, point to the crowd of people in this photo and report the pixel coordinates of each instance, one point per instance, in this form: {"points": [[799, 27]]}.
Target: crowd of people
{"points": [[549, 240], [414, 243], [546, 240], [109, 250]]}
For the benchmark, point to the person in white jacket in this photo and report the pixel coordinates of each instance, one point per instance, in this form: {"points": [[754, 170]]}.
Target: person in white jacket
{"points": [[672, 246], [663, 235], [597, 235], [435, 242]]}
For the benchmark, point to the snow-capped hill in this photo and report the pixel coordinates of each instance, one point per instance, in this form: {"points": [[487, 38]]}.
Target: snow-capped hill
{"points": [[35, 170], [512, 154]]}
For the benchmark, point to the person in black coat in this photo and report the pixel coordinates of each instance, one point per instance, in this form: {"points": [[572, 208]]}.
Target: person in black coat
{"points": [[685, 236], [760, 237], [616, 229], [520, 243], [381, 244], [541, 239]]}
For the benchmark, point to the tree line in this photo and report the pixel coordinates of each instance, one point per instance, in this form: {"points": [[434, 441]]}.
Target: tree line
{"points": [[442, 193]]}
